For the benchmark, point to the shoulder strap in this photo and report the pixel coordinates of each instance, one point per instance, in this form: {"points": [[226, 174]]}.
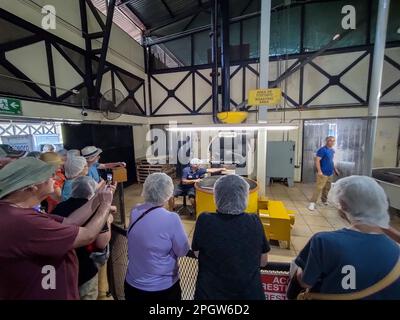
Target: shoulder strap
{"points": [[391, 277], [141, 216]]}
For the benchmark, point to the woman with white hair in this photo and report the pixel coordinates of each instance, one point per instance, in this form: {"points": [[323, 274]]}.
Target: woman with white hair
{"points": [[156, 239], [231, 246], [74, 167], [347, 261]]}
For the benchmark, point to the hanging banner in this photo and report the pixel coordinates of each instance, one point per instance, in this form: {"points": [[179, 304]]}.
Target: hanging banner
{"points": [[264, 97], [10, 106], [275, 285]]}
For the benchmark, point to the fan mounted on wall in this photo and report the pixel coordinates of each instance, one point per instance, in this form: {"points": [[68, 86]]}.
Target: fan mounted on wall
{"points": [[112, 104]]}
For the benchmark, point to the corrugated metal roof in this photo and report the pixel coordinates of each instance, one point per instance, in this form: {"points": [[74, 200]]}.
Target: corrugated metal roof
{"points": [[124, 18], [154, 13], [135, 16]]}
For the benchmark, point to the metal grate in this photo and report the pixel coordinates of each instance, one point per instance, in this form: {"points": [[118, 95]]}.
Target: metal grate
{"points": [[118, 262], [188, 267]]}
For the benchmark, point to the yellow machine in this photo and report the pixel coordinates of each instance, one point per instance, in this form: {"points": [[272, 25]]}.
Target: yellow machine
{"points": [[276, 219], [205, 199]]}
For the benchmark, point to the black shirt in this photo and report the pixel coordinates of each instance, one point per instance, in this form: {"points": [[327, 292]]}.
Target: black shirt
{"points": [[87, 267], [230, 248]]}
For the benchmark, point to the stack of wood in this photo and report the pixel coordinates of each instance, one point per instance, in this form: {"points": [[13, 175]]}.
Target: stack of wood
{"points": [[144, 168]]}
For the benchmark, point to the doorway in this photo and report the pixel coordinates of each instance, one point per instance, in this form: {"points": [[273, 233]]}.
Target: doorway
{"points": [[350, 137], [116, 141]]}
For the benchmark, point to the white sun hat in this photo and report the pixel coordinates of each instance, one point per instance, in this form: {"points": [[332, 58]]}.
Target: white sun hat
{"points": [[90, 151]]}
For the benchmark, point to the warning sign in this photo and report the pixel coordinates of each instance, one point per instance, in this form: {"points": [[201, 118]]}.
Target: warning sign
{"points": [[264, 97], [275, 286]]}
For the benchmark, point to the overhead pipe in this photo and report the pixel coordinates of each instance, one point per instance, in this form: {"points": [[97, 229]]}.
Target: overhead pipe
{"points": [[301, 63]]}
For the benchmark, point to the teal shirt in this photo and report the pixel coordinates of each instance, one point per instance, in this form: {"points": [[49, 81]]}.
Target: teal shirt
{"points": [[67, 189], [93, 172]]}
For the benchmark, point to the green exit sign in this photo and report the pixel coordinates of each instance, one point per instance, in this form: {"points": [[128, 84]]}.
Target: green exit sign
{"points": [[10, 106]]}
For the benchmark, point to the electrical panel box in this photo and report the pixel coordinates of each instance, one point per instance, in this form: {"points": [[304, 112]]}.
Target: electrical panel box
{"points": [[280, 160]]}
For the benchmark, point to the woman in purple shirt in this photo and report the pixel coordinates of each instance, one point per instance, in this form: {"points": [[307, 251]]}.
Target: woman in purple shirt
{"points": [[156, 239]]}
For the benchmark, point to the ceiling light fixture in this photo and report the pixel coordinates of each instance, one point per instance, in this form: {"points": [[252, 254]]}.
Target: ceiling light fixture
{"points": [[228, 127]]}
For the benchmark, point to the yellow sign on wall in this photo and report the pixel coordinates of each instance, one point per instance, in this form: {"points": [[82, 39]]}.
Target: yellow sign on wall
{"points": [[264, 97]]}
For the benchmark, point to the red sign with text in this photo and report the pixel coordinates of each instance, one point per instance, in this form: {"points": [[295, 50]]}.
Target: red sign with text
{"points": [[275, 286]]}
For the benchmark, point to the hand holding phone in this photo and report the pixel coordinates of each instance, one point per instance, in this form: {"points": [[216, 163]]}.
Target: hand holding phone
{"points": [[109, 178]]}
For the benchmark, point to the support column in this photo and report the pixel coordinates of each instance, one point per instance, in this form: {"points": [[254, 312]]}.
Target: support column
{"points": [[262, 111], [88, 53], [225, 56], [104, 49], [214, 58], [376, 81]]}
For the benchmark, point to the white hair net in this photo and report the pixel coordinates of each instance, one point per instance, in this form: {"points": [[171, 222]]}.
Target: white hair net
{"points": [[62, 152], [157, 188], [362, 199], [83, 187], [49, 148], [231, 194], [74, 166], [195, 161], [73, 153]]}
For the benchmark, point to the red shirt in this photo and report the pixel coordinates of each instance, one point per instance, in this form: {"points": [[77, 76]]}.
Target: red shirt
{"points": [[59, 180], [28, 243]]}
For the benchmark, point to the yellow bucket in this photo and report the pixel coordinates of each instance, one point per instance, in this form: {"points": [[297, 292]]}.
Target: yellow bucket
{"points": [[232, 117]]}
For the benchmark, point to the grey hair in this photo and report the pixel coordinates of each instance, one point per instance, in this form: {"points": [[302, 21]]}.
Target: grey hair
{"points": [[231, 194], [362, 199], [83, 187], [158, 188]]}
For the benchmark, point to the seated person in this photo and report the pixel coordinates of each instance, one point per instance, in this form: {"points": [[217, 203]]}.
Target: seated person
{"points": [[190, 175], [231, 246], [363, 252], [83, 189]]}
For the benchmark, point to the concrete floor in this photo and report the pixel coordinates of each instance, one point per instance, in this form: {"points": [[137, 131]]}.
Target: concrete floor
{"points": [[306, 224], [296, 198]]}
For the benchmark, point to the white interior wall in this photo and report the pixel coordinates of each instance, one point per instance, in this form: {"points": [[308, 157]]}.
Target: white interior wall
{"points": [[128, 55], [356, 79], [140, 143], [386, 139], [123, 50]]}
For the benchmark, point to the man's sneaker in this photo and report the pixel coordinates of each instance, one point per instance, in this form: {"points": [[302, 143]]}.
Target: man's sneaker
{"points": [[325, 204], [311, 207]]}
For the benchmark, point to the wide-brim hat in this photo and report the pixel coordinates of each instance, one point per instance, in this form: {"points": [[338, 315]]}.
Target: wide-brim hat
{"points": [[90, 152], [52, 158], [22, 173], [10, 152]]}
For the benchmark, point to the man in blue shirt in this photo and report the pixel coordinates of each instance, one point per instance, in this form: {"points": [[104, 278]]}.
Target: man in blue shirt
{"points": [[92, 156], [190, 175], [325, 170]]}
